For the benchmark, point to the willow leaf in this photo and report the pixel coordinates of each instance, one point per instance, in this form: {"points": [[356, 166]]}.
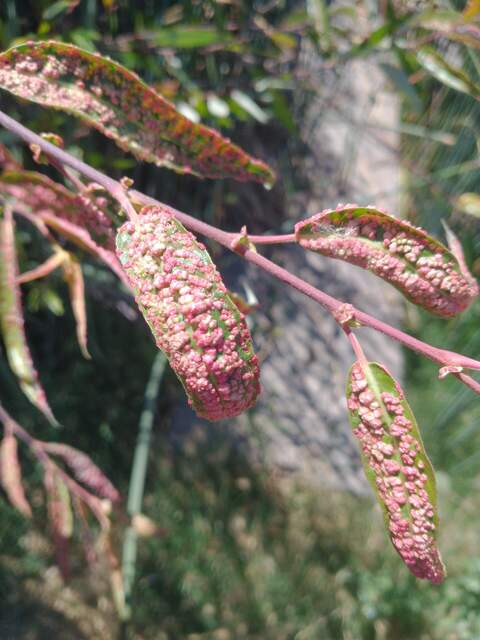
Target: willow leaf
{"points": [[396, 466], [115, 101], [11, 474], [45, 196], [84, 470], [72, 272], [61, 210], [422, 268], [12, 323]]}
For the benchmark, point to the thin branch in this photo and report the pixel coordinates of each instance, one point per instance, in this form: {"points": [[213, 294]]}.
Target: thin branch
{"points": [[441, 356]]}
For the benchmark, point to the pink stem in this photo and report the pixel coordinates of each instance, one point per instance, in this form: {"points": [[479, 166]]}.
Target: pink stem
{"points": [[441, 356]]}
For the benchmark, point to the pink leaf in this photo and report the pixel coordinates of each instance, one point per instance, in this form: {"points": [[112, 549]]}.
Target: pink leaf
{"points": [[84, 470], [60, 517], [74, 278], [12, 323], [193, 319], [11, 473], [419, 266], [47, 197], [397, 466], [115, 101]]}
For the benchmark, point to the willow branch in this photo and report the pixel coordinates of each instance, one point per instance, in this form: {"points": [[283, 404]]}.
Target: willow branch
{"points": [[442, 356]]}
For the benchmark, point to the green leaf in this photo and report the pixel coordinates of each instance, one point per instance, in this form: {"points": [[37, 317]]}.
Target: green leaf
{"points": [[446, 73], [115, 101], [189, 37], [422, 268], [397, 466], [12, 322], [250, 106]]}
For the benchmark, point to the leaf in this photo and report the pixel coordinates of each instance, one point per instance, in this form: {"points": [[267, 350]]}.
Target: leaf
{"points": [[115, 101], [193, 320], [72, 271], [469, 203], [60, 517], [189, 37], [12, 323], [43, 270], [61, 210], [456, 248], [11, 474], [84, 470], [419, 266], [250, 106], [446, 73], [45, 196], [396, 466], [472, 9]]}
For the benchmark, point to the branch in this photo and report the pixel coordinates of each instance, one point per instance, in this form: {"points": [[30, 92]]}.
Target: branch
{"points": [[442, 356]]}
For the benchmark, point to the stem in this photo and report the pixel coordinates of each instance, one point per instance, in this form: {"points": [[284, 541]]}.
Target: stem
{"points": [[441, 356], [137, 478], [111, 185]]}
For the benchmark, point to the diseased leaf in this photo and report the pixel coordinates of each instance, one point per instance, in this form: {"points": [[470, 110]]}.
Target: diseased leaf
{"points": [[397, 466], [84, 470], [423, 269], [62, 211], [60, 517], [12, 323], [193, 320], [11, 473], [115, 101], [72, 271], [45, 196]]}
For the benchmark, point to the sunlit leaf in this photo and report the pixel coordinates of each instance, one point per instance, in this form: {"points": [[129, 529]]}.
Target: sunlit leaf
{"points": [[12, 323], [419, 266], [11, 473], [115, 101], [445, 72], [397, 466], [469, 203], [184, 300], [249, 105], [186, 37]]}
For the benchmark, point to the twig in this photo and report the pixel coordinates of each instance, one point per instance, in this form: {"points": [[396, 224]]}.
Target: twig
{"points": [[441, 356]]}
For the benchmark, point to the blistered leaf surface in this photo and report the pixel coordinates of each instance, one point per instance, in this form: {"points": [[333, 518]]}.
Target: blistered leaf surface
{"points": [[397, 466], [115, 101], [423, 269], [190, 313]]}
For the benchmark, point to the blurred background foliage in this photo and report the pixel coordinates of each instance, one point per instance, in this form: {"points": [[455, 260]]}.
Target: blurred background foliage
{"points": [[248, 553]]}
